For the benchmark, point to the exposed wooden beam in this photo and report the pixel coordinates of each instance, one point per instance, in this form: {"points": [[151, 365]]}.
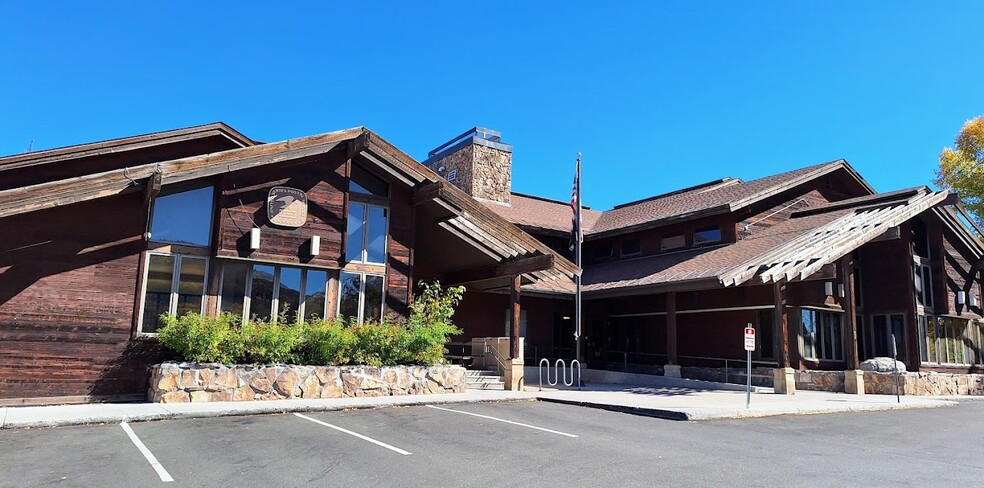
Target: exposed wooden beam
{"points": [[511, 267], [152, 189], [427, 193]]}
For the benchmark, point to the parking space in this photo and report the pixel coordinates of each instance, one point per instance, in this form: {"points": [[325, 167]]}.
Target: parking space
{"points": [[498, 444]]}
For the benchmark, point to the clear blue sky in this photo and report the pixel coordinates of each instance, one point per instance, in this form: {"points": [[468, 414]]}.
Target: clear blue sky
{"points": [[657, 95]]}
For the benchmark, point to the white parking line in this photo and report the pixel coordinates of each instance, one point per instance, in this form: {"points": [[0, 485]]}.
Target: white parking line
{"points": [[356, 434], [165, 477], [502, 420]]}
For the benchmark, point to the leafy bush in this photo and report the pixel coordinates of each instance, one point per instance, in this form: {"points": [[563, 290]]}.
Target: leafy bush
{"points": [[420, 339], [270, 342], [326, 342], [203, 339]]}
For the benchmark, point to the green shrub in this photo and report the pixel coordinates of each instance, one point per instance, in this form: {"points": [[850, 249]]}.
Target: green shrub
{"points": [[420, 339], [270, 342], [203, 339], [327, 342]]}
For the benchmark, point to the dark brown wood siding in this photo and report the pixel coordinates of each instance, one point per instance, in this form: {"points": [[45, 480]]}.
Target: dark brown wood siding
{"points": [[399, 246], [68, 281], [242, 204]]}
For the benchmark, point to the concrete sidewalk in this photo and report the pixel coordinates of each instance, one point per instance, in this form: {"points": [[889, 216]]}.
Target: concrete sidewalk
{"points": [[677, 403], [692, 401]]}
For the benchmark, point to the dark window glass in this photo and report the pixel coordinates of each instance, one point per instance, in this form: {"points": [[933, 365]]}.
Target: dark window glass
{"points": [[183, 218], [672, 241], [234, 287], [289, 294], [708, 234], [376, 235], [157, 301], [314, 294], [808, 320], [261, 294], [765, 333], [191, 285], [603, 251], [632, 247], [348, 299], [373, 309], [367, 183]]}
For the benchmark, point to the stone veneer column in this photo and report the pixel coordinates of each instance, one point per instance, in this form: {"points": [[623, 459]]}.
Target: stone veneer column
{"points": [[514, 377], [784, 381], [854, 381]]}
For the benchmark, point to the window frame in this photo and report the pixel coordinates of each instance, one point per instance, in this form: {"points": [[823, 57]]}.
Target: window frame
{"points": [[823, 338], [175, 283], [663, 238], [275, 298], [368, 203], [637, 252], [720, 235], [870, 341], [362, 293], [177, 191]]}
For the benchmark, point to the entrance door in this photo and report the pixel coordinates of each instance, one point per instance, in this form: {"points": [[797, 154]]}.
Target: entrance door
{"points": [[563, 336]]}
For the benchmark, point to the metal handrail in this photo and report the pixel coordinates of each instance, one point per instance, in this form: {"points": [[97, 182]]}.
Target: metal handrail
{"points": [[560, 371], [495, 354]]}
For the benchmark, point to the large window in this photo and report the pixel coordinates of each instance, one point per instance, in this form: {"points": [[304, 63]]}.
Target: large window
{"points": [[183, 218], [950, 340], [366, 233], [360, 296], [174, 285], [923, 280], [822, 335], [878, 336], [267, 291]]}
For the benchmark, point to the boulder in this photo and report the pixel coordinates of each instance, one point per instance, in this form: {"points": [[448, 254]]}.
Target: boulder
{"points": [[882, 365]]}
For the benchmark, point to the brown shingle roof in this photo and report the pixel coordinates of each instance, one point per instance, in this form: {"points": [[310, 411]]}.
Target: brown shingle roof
{"points": [[542, 213], [722, 195]]}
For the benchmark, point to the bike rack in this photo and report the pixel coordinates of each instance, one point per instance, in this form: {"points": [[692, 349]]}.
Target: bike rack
{"points": [[560, 372]]}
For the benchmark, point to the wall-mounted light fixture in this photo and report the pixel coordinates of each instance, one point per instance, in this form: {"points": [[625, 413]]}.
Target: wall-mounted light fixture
{"points": [[841, 290], [961, 297], [254, 238], [315, 245], [828, 288], [973, 299]]}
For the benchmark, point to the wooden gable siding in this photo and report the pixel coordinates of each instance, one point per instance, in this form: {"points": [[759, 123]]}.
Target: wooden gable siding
{"points": [[68, 281], [399, 247], [98, 163], [956, 265], [242, 204]]}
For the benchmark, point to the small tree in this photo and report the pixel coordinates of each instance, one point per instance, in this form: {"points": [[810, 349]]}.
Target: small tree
{"points": [[962, 168], [430, 321]]}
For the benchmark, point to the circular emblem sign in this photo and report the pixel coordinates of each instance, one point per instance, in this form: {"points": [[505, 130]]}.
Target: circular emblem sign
{"points": [[286, 207]]}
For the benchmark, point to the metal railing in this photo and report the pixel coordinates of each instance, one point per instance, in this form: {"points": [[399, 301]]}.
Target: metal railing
{"points": [[727, 364], [560, 373], [495, 354]]}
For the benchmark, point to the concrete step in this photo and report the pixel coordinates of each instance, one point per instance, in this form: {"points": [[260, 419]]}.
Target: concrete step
{"points": [[497, 385]]}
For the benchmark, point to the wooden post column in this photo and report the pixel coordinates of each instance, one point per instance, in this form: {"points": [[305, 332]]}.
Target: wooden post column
{"points": [[784, 377], [672, 356], [672, 367], [515, 318], [846, 271]]}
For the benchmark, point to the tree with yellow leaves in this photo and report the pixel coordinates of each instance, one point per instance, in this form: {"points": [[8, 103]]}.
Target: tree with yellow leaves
{"points": [[962, 168]]}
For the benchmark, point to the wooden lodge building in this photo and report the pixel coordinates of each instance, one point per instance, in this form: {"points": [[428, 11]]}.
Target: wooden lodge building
{"points": [[100, 239]]}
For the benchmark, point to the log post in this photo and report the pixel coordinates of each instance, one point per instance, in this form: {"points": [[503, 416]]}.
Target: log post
{"points": [[515, 318]]}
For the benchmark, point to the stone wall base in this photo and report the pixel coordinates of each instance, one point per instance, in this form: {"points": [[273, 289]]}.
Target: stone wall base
{"points": [[197, 382], [514, 377], [921, 383]]}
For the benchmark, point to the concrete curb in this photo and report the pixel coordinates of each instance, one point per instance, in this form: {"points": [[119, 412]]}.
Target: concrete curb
{"points": [[231, 409]]}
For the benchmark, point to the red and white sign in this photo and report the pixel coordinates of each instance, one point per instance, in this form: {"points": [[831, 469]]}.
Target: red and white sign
{"points": [[749, 339]]}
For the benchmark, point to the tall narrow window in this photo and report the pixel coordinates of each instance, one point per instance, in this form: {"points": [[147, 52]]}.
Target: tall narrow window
{"points": [[289, 294], [234, 282], [174, 285], [366, 233], [183, 218], [314, 294]]}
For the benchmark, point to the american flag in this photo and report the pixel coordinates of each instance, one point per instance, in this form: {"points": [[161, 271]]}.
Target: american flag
{"points": [[577, 236]]}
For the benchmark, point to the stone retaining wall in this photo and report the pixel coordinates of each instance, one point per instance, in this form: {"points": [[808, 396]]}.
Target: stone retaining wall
{"points": [[199, 382], [923, 383]]}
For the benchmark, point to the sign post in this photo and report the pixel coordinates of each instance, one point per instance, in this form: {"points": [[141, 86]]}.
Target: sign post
{"points": [[749, 347]]}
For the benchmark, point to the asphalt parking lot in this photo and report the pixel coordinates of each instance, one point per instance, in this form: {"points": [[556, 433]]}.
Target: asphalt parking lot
{"points": [[500, 444]]}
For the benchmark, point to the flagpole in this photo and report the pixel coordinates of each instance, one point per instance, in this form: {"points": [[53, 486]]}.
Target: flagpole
{"points": [[577, 261]]}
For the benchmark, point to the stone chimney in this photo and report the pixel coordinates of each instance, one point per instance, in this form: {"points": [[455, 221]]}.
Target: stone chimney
{"points": [[477, 162]]}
